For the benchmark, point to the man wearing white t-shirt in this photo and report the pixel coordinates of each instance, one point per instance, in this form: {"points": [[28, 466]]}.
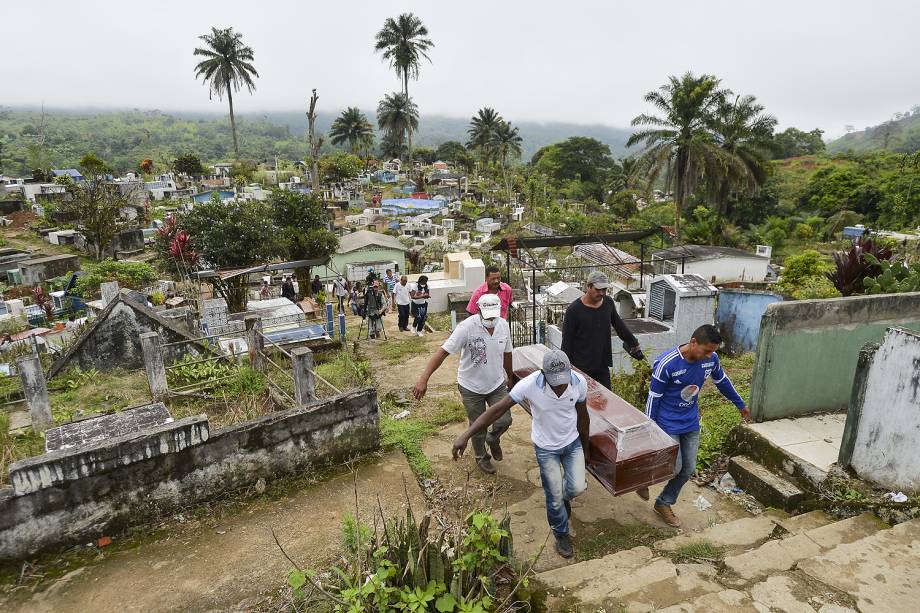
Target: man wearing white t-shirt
{"points": [[556, 398], [403, 300], [484, 344]]}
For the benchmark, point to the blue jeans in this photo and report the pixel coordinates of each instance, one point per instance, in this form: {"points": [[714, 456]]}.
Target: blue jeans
{"points": [[420, 311], [686, 464], [562, 472]]}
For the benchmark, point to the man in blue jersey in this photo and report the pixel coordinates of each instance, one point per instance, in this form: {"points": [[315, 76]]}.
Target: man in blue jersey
{"points": [[677, 376]]}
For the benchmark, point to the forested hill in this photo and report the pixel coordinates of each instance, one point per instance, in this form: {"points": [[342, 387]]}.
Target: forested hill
{"points": [[900, 134], [124, 138]]}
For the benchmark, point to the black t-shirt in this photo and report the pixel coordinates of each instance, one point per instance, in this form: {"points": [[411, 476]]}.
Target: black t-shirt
{"points": [[586, 335]]}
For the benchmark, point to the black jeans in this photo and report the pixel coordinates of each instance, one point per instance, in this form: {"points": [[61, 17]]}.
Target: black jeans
{"points": [[403, 316], [601, 376], [420, 311]]}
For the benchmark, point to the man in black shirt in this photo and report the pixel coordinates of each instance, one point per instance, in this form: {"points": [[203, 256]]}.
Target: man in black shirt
{"points": [[586, 331]]}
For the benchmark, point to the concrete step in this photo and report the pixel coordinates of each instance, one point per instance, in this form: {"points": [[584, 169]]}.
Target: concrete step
{"points": [[782, 554], [797, 524], [879, 570], [767, 487], [616, 576], [737, 535]]}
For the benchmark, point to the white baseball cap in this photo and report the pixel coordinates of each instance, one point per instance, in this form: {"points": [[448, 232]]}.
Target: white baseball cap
{"points": [[490, 306]]}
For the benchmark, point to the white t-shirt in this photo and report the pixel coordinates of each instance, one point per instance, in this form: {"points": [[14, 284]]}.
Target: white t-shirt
{"points": [[482, 355], [414, 287], [402, 293], [555, 421], [339, 288]]}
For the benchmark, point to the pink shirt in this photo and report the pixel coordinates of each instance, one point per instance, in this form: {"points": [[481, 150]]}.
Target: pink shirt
{"points": [[505, 294]]}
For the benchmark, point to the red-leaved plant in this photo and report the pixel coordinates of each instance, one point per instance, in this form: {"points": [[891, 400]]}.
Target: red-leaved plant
{"points": [[852, 268]]}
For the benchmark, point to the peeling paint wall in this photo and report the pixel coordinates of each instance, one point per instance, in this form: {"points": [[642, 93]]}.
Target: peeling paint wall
{"points": [[882, 435], [738, 317], [61, 499], [807, 350]]}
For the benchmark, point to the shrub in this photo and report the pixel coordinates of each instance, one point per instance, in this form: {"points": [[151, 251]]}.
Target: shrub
{"points": [[134, 275], [852, 267]]}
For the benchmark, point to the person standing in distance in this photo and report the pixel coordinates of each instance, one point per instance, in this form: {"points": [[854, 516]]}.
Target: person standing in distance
{"points": [[557, 398], [677, 376], [403, 301], [420, 293], [492, 285], [586, 331], [484, 343]]}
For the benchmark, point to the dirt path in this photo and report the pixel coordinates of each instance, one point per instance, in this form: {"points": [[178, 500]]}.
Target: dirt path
{"points": [[234, 564]]}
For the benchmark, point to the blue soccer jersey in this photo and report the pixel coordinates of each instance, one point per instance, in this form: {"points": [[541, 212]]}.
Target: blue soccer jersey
{"points": [[673, 394]]}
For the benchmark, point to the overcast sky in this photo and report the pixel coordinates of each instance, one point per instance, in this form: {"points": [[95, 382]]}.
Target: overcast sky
{"points": [[811, 63]]}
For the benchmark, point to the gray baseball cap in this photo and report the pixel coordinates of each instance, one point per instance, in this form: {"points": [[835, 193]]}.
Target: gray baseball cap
{"points": [[598, 279], [556, 367]]}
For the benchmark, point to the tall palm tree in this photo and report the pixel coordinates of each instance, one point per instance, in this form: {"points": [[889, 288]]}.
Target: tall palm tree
{"points": [[482, 129], [351, 127], [680, 142], [506, 142], [396, 116], [403, 42], [745, 134], [227, 68]]}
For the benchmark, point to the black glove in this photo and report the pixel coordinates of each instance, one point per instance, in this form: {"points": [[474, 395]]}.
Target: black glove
{"points": [[635, 352]]}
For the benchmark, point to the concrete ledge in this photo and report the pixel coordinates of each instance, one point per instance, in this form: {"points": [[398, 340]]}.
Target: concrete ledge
{"points": [[75, 498], [765, 486], [58, 467]]}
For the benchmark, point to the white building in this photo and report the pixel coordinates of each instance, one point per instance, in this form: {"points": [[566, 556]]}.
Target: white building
{"points": [[715, 264], [462, 274]]}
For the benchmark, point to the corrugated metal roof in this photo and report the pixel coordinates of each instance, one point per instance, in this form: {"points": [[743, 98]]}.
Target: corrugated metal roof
{"points": [[623, 263]]}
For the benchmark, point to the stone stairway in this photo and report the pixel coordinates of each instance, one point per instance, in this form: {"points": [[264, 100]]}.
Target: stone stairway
{"points": [[772, 562]]}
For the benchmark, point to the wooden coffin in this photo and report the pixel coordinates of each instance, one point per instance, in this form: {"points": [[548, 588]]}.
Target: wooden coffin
{"points": [[628, 450]]}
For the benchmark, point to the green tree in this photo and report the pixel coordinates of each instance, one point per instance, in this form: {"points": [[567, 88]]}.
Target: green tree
{"points": [[227, 68], [393, 145], [793, 142], [482, 132], [397, 115], [339, 166], [584, 160], [745, 135], [426, 155], [403, 42], [233, 234], [97, 204], [506, 143], [451, 151], [680, 141], [351, 127], [303, 225], [189, 164]]}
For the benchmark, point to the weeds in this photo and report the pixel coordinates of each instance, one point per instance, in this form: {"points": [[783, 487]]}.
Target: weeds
{"points": [[396, 351], [610, 537], [699, 550], [15, 447], [407, 434], [87, 393], [345, 371]]}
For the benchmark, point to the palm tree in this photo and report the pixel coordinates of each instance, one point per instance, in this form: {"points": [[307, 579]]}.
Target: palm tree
{"points": [[396, 115], [505, 142], [745, 134], [403, 43], [227, 68], [681, 142], [482, 128], [351, 127]]}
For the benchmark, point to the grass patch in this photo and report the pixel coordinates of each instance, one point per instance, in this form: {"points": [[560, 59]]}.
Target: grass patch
{"points": [[16, 447], [91, 392], [345, 371], [407, 434], [439, 321], [699, 550], [608, 537], [396, 351], [717, 415]]}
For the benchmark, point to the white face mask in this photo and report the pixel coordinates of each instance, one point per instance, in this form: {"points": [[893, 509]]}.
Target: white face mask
{"points": [[487, 323]]}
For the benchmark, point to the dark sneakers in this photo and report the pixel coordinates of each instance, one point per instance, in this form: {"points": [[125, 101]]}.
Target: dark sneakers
{"points": [[496, 450], [564, 545], [485, 465]]}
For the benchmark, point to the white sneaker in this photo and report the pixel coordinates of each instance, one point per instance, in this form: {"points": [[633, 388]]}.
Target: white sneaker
{"points": [[419, 333]]}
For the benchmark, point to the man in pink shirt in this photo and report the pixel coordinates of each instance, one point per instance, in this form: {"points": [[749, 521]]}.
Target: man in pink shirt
{"points": [[493, 285]]}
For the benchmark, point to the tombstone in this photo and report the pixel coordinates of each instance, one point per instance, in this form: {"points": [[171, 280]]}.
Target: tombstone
{"points": [[109, 291]]}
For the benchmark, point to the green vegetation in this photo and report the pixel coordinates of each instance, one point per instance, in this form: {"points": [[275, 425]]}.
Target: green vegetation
{"points": [[407, 434], [607, 536], [805, 277], [900, 134], [345, 371], [698, 550], [129, 274], [90, 392], [15, 447], [717, 415], [409, 565], [396, 351]]}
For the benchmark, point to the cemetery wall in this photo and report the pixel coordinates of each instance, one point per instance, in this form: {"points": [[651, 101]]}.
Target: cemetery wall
{"points": [[75, 496]]}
